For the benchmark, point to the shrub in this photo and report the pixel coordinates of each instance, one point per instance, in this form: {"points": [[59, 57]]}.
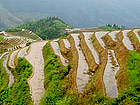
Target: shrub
{"points": [[28, 43], [19, 92], [54, 77]]}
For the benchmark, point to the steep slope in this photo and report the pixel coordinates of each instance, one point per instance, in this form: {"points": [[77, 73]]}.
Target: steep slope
{"points": [[84, 68], [7, 19], [110, 77]]}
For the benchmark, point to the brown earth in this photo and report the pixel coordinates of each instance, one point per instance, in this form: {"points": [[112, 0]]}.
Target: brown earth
{"points": [[110, 44], [103, 54], [121, 53], [139, 33], [74, 60], [122, 56], [134, 41], [65, 52], [88, 55]]}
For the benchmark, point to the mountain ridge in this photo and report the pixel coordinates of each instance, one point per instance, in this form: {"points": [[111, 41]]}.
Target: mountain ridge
{"points": [[80, 13]]}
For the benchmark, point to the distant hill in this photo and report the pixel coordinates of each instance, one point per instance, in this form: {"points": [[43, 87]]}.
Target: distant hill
{"points": [[77, 13], [7, 19], [46, 28]]}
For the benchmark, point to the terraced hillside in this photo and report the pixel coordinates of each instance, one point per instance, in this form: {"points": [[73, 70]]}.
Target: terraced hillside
{"points": [[15, 40], [85, 68]]}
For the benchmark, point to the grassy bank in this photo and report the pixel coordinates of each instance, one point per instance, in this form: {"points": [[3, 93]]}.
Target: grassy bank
{"points": [[19, 92], [3, 77], [131, 96], [1, 38], [55, 75]]}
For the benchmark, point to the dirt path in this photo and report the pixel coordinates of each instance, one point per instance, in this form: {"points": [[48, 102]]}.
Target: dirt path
{"points": [[11, 77], [126, 40], [67, 43], [36, 81], [109, 76], [89, 43], [99, 36], [82, 76], [12, 58], [113, 35], [56, 49], [22, 52], [137, 35]]}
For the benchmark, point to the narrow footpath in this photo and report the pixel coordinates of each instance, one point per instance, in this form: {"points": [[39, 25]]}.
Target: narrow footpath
{"points": [[36, 81]]}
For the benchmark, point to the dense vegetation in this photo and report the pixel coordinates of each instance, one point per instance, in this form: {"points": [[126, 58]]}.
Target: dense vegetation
{"points": [[46, 28], [55, 75], [3, 77], [2, 50], [113, 27], [19, 92], [1, 38]]}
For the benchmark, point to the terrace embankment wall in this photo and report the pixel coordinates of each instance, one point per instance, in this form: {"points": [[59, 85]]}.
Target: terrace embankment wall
{"points": [[122, 54], [88, 55], [134, 41], [74, 61], [103, 55], [65, 52]]}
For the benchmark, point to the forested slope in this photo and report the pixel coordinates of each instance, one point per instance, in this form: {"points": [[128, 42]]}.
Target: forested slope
{"points": [[46, 28]]}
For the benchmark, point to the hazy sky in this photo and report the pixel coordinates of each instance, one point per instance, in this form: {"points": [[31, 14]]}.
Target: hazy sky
{"points": [[78, 12]]}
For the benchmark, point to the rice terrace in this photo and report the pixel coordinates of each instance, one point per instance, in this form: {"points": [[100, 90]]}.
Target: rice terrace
{"points": [[84, 67], [69, 52]]}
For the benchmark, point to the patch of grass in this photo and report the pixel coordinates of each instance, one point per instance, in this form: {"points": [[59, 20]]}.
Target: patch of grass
{"points": [[28, 43], [19, 92], [2, 51], [3, 43], [107, 28], [3, 77], [133, 69], [55, 74], [1, 38], [34, 37], [131, 95]]}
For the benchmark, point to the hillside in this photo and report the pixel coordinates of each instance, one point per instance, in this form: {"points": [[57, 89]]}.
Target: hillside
{"points": [[79, 13], [7, 19], [46, 28], [84, 68]]}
